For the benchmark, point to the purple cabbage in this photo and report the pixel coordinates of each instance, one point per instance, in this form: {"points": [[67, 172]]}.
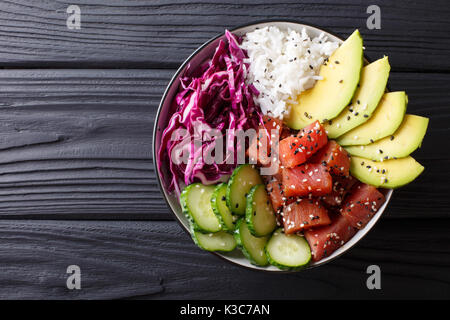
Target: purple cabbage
{"points": [[214, 97]]}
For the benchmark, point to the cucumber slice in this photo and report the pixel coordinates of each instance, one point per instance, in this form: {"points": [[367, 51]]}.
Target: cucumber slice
{"points": [[218, 241], [259, 214], [252, 247], [242, 180], [196, 204], [220, 208], [288, 252]]}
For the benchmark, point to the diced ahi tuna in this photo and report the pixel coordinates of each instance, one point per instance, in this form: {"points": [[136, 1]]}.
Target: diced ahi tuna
{"points": [[325, 240], [275, 191], [334, 157], [295, 150], [362, 204], [304, 214], [306, 179], [268, 135], [341, 187], [277, 198]]}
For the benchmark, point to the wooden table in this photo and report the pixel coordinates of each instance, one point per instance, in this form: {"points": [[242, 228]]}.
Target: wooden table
{"points": [[77, 184]]}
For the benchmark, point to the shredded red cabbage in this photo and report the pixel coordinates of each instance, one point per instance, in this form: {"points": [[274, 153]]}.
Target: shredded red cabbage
{"points": [[215, 98]]}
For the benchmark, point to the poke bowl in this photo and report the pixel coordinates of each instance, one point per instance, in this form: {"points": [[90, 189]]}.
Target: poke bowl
{"points": [[165, 176]]}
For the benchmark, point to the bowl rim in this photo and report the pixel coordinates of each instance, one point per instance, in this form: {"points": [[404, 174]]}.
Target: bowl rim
{"points": [[181, 68]]}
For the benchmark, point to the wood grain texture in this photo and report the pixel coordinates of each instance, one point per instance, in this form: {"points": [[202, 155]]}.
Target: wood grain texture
{"points": [[162, 33], [158, 260], [76, 144]]}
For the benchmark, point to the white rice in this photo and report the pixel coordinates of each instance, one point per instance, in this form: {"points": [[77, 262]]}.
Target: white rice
{"points": [[283, 64]]}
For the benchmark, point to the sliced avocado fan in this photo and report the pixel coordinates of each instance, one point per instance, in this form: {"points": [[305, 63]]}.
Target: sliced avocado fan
{"points": [[384, 121], [371, 88], [402, 143], [340, 76]]}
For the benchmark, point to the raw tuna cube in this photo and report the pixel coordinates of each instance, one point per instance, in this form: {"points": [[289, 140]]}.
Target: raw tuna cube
{"points": [[297, 149], [341, 187], [325, 240], [264, 138], [362, 204], [306, 179], [304, 214], [334, 157]]}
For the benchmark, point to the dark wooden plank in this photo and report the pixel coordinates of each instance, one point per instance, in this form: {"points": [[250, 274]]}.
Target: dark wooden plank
{"points": [[76, 144], [158, 260], [162, 33], [80, 142]]}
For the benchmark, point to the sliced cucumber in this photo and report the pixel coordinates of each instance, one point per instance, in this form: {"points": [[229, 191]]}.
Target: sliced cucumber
{"points": [[218, 241], [196, 204], [288, 251], [242, 180], [252, 247], [220, 208], [259, 214]]}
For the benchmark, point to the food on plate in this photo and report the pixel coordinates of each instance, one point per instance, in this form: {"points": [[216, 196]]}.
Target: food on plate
{"points": [[392, 173], [196, 204], [260, 149], [340, 76], [259, 213], [252, 247], [400, 144], [325, 240], [241, 181], [361, 205], [296, 149], [215, 97], [306, 179], [283, 63], [370, 90], [288, 251], [304, 214], [220, 208], [327, 141], [334, 158], [384, 121], [218, 241]]}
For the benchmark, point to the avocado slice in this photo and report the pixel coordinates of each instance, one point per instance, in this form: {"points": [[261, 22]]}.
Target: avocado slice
{"points": [[402, 143], [387, 174], [340, 77], [371, 88], [384, 121]]}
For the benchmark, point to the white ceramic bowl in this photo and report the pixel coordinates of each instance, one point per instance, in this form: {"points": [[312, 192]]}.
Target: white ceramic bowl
{"points": [[164, 113]]}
